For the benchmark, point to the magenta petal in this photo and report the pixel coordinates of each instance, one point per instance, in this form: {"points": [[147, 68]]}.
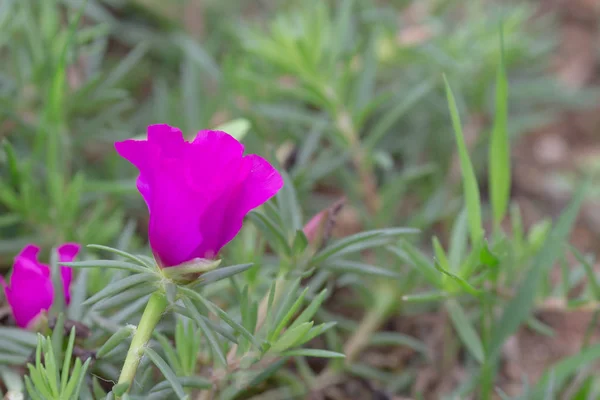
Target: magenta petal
{"points": [[174, 229], [67, 253], [261, 182], [30, 290], [197, 193], [140, 153], [170, 140]]}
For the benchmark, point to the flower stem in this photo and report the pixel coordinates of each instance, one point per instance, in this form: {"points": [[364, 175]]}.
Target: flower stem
{"points": [[152, 314]]}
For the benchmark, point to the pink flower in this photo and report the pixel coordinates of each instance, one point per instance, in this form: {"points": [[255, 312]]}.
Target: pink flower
{"points": [[197, 192], [30, 290], [320, 227]]}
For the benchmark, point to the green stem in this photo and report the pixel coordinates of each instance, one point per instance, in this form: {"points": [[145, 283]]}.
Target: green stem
{"points": [[156, 306]]}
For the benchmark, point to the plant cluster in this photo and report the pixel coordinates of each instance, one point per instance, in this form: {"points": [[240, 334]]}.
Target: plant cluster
{"points": [[244, 279]]}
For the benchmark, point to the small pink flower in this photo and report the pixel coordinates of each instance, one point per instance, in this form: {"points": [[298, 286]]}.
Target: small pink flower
{"points": [[319, 229], [197, 192], [30, 290]]}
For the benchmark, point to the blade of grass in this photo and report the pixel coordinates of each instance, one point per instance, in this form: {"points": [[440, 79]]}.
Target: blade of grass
{"points": [[465, 329], [499, 150], [470, 187]]}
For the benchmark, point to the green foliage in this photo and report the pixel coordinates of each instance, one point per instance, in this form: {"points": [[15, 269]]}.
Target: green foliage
{"points": [[345, 102], [470, 187], [499, 150], [46, 379]]}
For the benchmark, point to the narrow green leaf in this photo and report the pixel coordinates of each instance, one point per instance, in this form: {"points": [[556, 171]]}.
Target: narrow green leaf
{"points": [[58, 335], [289, 209], [121, 285], [171, 292], [167, 372], [216, 349], [441, 254], [291, 337], [222, 273], [58, 305], [121, 253], [79, 292], [520, 306], [315, 331], [51, 367], [172, 355], [540, 327], [286, 313], [360, 268], [466, 286], [125, 297], [221, 330], [67, 361], [97, 390], [120, 389], [358, 242], [270, 299], [300, 242], [117, 338], [458, 241], [397, 339], [74, 378], [465, 330], [222, 314], [311, 310], [39, 383], [181, 348], [499, 148], [135, 268], [470, 187], [192, 382], [413, 256], [13, 165], [425, 297], [313, 353], [31, 390]]}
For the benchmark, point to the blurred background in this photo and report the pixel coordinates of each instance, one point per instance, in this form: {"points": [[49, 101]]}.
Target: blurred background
{"points": [[347, 96]]}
